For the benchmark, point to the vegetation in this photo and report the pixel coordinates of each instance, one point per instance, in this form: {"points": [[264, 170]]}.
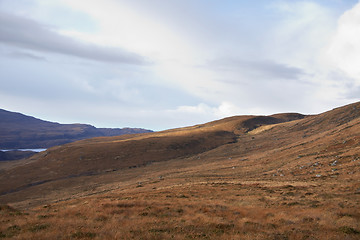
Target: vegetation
{"points": [[294, 180], [211, 210]]}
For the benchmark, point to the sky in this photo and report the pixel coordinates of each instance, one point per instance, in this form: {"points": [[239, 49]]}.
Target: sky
{"points": [[161, 64]]}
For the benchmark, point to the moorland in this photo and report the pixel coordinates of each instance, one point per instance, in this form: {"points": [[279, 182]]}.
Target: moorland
{"points": [[284, 176]]}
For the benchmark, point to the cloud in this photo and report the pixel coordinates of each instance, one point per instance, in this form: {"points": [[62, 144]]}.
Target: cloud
{"points": [[208, 59], [122, 23], [257, 68], [25, 55], [225, 109], [344, 48], [28, 34]]}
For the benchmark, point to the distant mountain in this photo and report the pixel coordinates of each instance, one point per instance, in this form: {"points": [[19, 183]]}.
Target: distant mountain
{"points": [[15, 155], [20, 131]]}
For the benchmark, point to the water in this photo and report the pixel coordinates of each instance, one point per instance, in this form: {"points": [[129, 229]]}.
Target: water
{"points": [[26, 149]]}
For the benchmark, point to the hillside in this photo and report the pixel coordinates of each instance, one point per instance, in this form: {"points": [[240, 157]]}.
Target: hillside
{"points": [[20, 131], [284, 176]]}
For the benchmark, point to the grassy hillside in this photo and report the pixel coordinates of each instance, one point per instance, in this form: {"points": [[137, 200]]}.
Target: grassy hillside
{"points": [[284, 176]]}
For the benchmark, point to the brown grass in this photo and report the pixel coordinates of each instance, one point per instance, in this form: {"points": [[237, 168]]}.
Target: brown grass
{"points": [[294, 180], [212, 210]]}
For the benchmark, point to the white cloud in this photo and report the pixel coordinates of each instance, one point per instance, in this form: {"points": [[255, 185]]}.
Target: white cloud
{"points": [[225, 109], [344, 49], [292, 51], [28, 34], [122, 25], [208, 59], [174, 58], [301, 34]]}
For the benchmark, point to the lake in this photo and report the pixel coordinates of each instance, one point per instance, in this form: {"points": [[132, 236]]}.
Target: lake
{"points": [[27, 149]]}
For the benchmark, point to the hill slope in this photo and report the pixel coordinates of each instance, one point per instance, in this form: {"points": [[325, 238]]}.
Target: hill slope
{"points": [[285, 176], [20, 131], [98, 155]]}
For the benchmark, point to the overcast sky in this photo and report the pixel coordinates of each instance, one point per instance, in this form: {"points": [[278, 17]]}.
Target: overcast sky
{"points": [[161, 64]]}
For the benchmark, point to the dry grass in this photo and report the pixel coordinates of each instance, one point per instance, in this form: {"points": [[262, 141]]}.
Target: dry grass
{"points": [[261, 129], [213, 210], [295, 180]]}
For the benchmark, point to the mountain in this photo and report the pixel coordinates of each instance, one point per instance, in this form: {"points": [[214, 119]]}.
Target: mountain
{"points": [[15, 155], [284, 176], [19, 131]]}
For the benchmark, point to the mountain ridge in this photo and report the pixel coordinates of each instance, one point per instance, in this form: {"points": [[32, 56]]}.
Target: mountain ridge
{"points": [[19, 131]]}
